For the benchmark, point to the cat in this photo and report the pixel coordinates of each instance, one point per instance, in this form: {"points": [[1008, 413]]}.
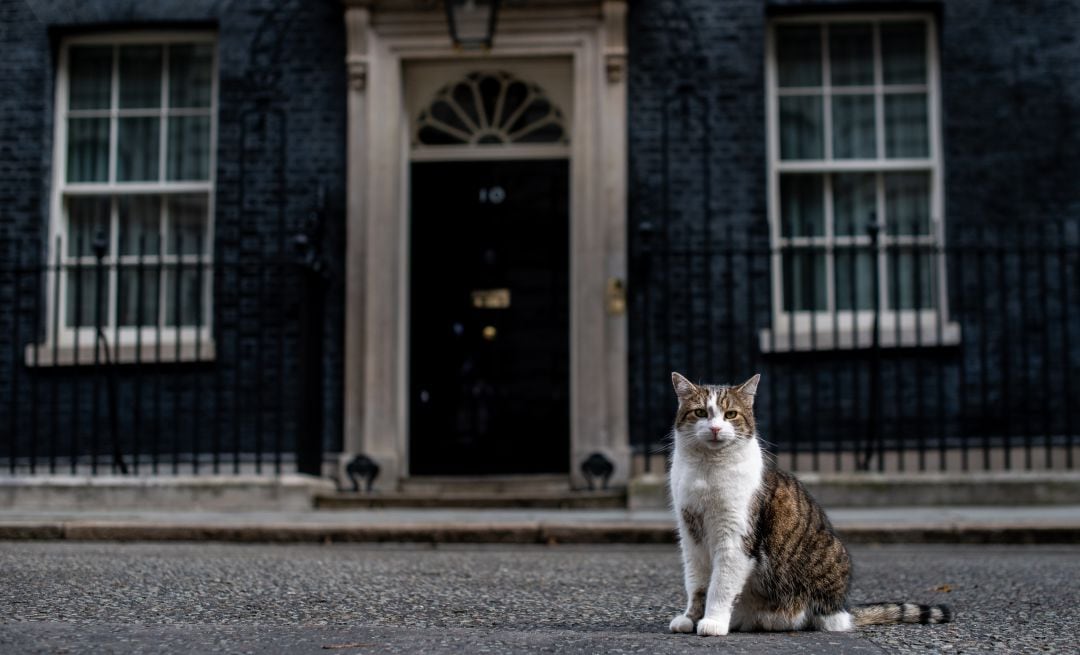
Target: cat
{"points": [[758, 551]]}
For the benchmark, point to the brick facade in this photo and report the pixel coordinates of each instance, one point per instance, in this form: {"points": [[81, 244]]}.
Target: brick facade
{"points": [[280, 150], [698, 173], [1010, 88]]}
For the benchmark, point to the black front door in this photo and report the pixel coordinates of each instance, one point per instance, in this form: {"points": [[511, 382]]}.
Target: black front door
{"points": [[489, 357]]}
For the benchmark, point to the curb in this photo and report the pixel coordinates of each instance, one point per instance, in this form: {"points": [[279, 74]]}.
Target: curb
{"points": [[962, 534], [503, 533]]}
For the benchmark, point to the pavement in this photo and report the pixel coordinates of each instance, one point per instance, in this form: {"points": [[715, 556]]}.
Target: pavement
{"points": [[1046, 524], [85, 597]]}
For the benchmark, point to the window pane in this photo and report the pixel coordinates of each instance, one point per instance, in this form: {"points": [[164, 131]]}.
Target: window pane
{"points": [[138, 294], [854, 202], [187, 225], [189, 148], [802, 205], [190, 75], [909, 277], [854, 265], [187, 285], [907, 203], [88, 150], [140, 76], [82, 293], [90, 74], [139, 218], [88, 220], [798, 55], [137, 141], [804, 280], [851, 54], [906, 125], [903, 53], [853, 127], [801, 133]]}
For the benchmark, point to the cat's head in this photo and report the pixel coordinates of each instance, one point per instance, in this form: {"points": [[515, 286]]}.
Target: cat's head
{"points": [[714, 416]]}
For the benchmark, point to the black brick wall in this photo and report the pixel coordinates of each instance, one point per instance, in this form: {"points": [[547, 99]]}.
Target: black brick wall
{"points": [[1011, 96], [1010, 93], [280, 148]]}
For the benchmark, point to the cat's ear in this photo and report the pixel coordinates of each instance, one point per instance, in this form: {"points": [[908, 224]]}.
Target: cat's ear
{"points": [[750, 386], [683, 387]]}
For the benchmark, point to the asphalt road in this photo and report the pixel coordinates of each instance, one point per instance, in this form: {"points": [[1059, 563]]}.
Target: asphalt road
{"points": [[180, 598]]}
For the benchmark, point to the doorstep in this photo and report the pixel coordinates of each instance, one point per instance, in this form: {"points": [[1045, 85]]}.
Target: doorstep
{"points": [[480, 492], [610, 499]]}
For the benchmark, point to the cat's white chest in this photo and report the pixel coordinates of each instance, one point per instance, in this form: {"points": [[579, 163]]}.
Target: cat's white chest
{"points": [[699, 489], [718, 486], [721, 492]]}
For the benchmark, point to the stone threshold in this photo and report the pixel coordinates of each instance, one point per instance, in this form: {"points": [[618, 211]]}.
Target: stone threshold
{"points": [[476, 499]]}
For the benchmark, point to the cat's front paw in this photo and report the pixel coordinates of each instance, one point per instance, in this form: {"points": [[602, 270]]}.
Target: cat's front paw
{"points": [[712, 627], [682, 623]]}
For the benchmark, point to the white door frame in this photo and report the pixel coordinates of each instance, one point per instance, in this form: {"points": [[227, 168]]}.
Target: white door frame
{"points": [[380, 43]]}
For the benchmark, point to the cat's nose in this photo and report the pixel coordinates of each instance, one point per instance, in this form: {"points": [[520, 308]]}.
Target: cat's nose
{"points": [[715, 431]]}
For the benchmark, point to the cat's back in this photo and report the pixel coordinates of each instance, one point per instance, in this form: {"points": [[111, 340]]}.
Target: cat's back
{"points": [[796, 539], [789, 514]]}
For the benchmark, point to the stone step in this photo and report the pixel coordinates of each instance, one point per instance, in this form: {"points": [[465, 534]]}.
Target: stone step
{"points": [[490, 484], [565, 499]]}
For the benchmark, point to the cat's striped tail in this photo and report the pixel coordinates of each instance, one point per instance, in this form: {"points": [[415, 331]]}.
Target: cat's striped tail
{"points": [[890, 613]]}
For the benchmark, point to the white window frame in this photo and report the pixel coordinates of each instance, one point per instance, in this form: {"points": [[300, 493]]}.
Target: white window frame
{"points": [[160, 342], [830, 328]]}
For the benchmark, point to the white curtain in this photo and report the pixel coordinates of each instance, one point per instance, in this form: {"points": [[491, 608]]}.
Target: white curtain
{"points": [[138, 290], [90, 74], [906, 131], [802, 205]]}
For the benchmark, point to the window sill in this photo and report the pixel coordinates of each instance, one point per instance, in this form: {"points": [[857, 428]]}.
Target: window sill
{"points": [[167, 352], [862, 338]]}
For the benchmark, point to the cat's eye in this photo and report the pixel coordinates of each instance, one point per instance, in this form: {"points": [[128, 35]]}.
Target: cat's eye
{"points": [[700, 413], [730, 414]]}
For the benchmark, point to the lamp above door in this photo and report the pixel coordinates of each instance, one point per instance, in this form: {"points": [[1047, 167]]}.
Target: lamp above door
{"points": [[472, 22]]}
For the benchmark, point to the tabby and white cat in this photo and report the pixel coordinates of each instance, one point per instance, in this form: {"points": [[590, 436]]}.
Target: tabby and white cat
{"points": [[758, 551]]}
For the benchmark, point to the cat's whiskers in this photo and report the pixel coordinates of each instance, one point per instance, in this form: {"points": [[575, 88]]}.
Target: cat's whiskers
{"points": [[665, 445]]}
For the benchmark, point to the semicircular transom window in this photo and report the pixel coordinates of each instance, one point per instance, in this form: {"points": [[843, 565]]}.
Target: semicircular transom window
{"points": [[490, 108]]}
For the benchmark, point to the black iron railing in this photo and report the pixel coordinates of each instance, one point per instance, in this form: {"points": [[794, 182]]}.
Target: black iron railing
{"points": [[969, 360], [157, 364], [953, 350]]}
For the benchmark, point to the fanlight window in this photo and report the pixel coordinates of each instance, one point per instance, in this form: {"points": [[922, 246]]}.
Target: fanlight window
{"points": [[490, 108]]}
